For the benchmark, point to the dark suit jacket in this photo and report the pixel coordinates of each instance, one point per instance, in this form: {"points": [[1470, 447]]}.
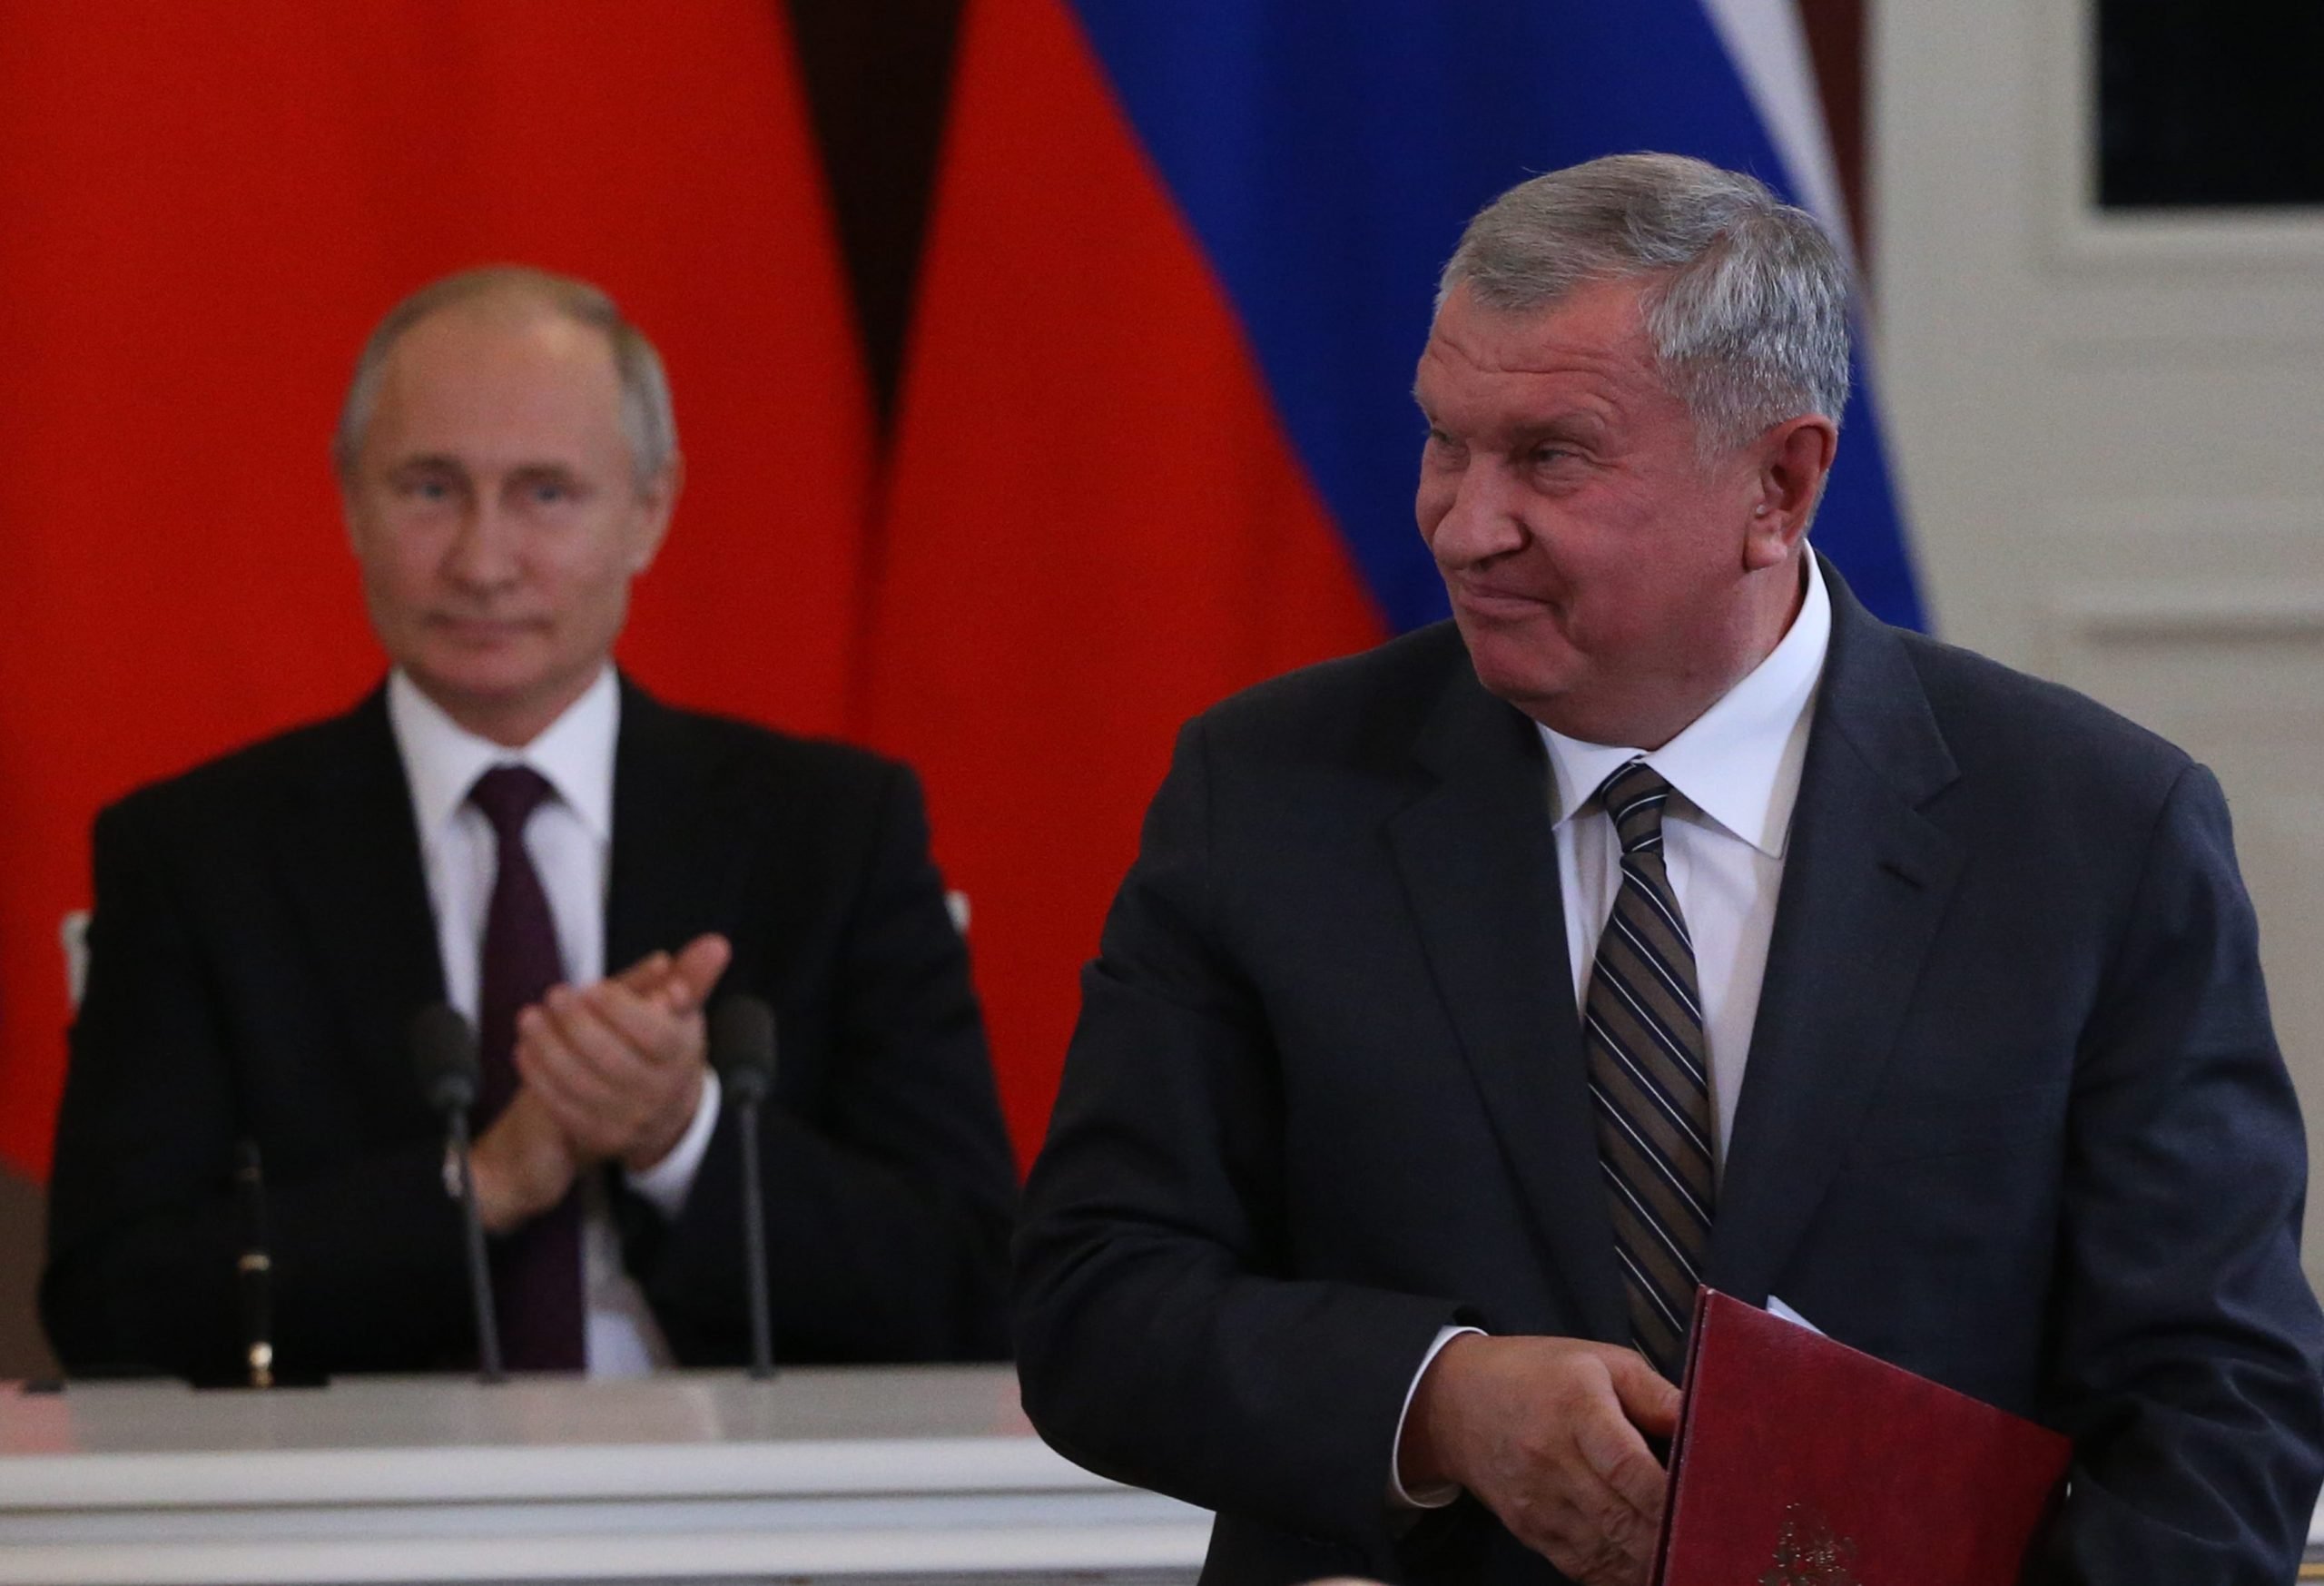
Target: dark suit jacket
{"points": [[2013, 1115], [262, 936]]}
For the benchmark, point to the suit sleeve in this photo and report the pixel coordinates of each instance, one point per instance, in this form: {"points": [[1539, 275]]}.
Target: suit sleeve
{"points": [[2186, 1338], [889, 1208], [1161, 1338], [144, 1229]]}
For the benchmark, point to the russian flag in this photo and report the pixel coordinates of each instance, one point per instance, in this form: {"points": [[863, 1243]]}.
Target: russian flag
{"points": [[1155, 442]]}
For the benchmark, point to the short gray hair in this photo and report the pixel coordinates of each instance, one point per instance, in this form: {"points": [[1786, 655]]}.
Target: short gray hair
{"points": [[1748, 302], [647, 420]]}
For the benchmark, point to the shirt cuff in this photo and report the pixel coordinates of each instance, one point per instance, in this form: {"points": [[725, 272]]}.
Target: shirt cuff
{"points": [[664, 1186], [1427, 1497]]}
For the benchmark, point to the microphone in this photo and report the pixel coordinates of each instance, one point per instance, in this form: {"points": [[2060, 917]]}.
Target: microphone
{"points": [[742, 1049], [443, 1054], [255, 1266]]}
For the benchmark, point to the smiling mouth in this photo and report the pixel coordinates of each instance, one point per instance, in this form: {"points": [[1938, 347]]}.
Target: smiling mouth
{"points": [[1496, 602], [482, 630]]}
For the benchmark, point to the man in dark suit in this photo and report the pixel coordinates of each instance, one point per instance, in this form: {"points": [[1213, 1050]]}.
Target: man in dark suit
{"points": [[508, 825], [1665, 916]]}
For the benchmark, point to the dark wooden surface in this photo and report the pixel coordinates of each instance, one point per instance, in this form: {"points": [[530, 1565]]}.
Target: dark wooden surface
{"points": [[1835, 40], [23, 1351]]}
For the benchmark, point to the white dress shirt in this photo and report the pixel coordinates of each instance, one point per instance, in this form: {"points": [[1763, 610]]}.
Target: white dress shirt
{"points": [[569, 839], [1734, 772]]}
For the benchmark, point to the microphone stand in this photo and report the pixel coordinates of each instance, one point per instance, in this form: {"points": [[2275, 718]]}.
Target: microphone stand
{"points": [[443, 1051], [754, 1242], [742, 1049], [488, 1328]]}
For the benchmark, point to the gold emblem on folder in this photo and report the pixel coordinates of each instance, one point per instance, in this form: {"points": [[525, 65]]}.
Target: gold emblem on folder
{"points": [[1808, 1552]]}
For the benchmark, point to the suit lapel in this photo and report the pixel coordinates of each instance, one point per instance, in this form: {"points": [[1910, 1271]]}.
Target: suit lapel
{"points": [[675, 868], [1479, 866], [1865, 883], [351, 863]]}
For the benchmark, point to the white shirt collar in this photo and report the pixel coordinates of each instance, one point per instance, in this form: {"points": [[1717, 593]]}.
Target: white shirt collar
{"points": [[442, 759], [1738, 761]]}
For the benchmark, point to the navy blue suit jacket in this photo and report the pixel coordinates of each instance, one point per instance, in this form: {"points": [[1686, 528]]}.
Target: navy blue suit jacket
{"points": [[2014, 1117], [262, 936]]}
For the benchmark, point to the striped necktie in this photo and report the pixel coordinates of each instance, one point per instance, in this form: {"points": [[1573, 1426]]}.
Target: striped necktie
{"points": [[1642, 1027]]}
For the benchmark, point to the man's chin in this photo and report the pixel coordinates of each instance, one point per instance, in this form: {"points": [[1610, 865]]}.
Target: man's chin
{"points": [[488, 701], [1515, 672], [478, 679]]}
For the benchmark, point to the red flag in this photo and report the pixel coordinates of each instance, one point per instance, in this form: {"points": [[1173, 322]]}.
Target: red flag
{"points": [[206, 207], [1096, 524]]}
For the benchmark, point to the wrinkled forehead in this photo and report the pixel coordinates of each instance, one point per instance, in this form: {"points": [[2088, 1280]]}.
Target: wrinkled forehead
{"points": [[1591, 338], [523, 385]]}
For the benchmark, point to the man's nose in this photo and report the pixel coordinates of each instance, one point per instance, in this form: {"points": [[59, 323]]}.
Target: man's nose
{"points": [[1480, 516], [484, 554]]}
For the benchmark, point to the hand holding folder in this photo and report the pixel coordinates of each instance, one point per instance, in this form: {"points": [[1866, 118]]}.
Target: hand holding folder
{"points": [[1800, 1462], [1552, 1436]]}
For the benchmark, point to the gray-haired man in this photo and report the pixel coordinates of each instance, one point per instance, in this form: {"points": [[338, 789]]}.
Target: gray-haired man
{"points": [[1663, 917]]}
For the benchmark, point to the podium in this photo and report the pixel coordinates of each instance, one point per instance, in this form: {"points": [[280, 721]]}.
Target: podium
{"points": [[925, 1474], [869, 1477]]}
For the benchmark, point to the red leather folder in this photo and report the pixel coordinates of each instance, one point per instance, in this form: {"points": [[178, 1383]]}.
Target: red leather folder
{"points": [[1800, 1462]]}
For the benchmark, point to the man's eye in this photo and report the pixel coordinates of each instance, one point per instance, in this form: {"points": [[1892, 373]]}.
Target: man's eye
{"points": [[424, 489]]}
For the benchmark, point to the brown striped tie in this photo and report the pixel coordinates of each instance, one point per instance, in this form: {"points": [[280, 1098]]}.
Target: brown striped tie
{"points": [[1649, 1071]]}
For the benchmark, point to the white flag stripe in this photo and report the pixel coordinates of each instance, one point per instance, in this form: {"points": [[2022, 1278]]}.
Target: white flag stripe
{"points": [[1769, 46]]}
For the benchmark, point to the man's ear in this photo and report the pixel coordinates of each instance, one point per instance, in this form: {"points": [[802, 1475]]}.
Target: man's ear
{"points": [[656, 503], [1794, 459]]}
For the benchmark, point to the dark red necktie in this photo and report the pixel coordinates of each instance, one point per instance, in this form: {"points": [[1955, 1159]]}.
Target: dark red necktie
{"points": [[536, 1269]]}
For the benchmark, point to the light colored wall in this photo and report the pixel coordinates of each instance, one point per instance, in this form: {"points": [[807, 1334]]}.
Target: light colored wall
{"points": [[2111, 433]]}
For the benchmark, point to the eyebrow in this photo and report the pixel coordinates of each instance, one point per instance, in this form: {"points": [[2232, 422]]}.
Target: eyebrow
{"points": [[444, 462], [425, 461], [1576, 423]]}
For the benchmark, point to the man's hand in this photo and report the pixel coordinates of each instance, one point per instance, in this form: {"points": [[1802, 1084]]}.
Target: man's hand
{"points": [[683, 982], [1549, 1434], [522, 1165], [619, 1064]]}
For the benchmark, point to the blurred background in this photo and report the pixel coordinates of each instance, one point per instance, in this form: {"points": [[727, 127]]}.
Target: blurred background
{"points": [[1041, 368]]}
